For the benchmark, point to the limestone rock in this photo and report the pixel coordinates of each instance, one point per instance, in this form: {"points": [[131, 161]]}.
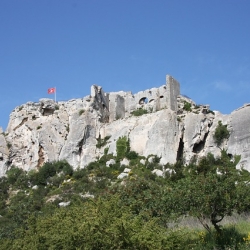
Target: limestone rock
{"points": [[158, 172], [239, 140], [4, 152], [127, 170], [142, 161], [125, 162], [51, 131], [64, 204], [122, 175], [110, 162]]}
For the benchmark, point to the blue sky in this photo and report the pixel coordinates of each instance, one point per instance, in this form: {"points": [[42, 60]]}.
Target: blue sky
{"points": [[124, 45]]}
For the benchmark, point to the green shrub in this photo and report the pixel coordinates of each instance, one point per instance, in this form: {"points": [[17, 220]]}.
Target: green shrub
{"points": [[102, 142], [81, 111], [105, 158], [46, 171], [210, 112], [139, 112], [221, 133], [63, 166], [187, 106], [13, 174], [106, 150], [9, 145], [132, 155], [122, 147]]}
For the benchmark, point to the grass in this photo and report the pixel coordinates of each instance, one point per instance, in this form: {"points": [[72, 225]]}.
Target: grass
{"points": [[235, 234]]}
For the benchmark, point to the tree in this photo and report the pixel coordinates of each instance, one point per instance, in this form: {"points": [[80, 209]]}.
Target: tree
{"points": [[221, 133], [122, 147], [93, 224], [212, 189]]}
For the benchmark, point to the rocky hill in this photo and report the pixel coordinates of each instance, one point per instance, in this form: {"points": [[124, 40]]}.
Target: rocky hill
{"points": [[157, 121]]}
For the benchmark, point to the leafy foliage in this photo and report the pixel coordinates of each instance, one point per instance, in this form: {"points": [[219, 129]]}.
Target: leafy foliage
{"points": [[99, 224], [212, 190], [122, 147], [187, 106], [81, 111], [102, 142], [139, 112], [136, 213], [221, 133]]}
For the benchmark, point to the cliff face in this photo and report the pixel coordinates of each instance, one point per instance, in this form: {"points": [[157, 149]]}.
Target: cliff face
{"points": [[49, 131]]}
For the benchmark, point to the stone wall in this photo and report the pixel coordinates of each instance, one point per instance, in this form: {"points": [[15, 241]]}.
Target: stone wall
{"points": [[121, 104], [173, 90]]}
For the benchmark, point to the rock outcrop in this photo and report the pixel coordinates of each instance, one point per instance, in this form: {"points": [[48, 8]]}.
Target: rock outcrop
{"points": [[173, 127]]}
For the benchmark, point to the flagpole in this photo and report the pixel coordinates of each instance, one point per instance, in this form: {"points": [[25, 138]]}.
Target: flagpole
{"points": [[55, 94]]}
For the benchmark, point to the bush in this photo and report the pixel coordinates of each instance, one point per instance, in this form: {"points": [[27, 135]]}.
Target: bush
{"points": [[221, 133], [132, 155], [187, 106], [96, 224], [139, 112], [102, 142], [17, 177], [63, 166], [13, 174], [122, 147], [81, 111], [46, 171]]}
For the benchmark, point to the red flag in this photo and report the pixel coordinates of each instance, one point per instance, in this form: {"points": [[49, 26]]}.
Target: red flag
{"points": [[51, 90]]}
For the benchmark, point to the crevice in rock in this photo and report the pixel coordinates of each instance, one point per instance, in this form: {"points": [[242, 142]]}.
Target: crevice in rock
{"points": [[83, 140], [198, 147], [8, 163], [22, 122], [47, 111], [180, 150], [40, 156]]}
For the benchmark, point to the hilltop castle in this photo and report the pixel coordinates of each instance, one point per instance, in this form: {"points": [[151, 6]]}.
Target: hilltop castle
{"points": [[120, 104]]}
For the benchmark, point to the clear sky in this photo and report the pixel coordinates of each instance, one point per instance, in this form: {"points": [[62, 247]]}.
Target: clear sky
{"points": [[124, 45]]}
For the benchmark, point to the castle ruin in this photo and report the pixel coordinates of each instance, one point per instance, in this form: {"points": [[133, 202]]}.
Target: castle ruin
{"points": [[120, 104]]}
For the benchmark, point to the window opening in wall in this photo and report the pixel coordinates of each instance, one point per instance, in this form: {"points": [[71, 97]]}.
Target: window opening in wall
{"points": [[161, 96], [151, 100], [143, 100]]}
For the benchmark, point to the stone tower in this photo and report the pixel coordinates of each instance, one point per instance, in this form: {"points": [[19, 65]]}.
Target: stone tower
{"points": [[173, 90]]}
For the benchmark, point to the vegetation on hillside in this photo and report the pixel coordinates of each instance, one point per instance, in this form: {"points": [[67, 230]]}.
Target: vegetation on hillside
{"points": [[221, 133], [139, 112], [141, 211]]}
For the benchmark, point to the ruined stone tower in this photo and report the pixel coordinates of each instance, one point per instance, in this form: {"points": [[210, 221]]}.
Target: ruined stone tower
{"points": [[121, 104]]}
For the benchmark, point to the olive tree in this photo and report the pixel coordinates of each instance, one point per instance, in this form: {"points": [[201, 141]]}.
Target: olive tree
{"points": [[212, 189]]}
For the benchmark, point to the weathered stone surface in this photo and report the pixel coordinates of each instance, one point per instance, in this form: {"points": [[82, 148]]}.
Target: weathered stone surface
{"points": [[122, 175], [4, 152], [110, 162], [239, 141], [158, 172], [125, 162], [49, 131], [64, 204]]}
